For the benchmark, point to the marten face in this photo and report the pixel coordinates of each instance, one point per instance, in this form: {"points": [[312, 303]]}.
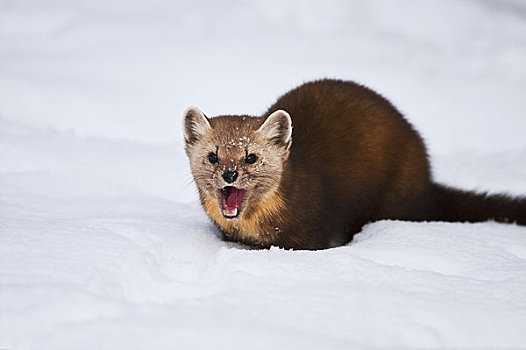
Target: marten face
{"points": [[236, 161]]}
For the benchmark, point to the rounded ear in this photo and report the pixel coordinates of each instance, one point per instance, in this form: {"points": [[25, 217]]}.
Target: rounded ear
{"points": [[277, 128], [195, 125]]}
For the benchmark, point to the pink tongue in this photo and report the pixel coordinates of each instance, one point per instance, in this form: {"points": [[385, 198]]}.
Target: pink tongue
{"points": [[234, 198]]}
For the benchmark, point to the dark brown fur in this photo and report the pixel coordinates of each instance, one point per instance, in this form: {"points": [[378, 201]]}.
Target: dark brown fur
{"points": [[355, 159]]}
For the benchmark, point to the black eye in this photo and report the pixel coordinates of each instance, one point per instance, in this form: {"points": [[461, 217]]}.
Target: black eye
{"points": [[212, 157], [251, 158]]}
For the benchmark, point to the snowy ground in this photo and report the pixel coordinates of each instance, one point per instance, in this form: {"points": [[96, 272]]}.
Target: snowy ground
{"points": [[103, 244]]}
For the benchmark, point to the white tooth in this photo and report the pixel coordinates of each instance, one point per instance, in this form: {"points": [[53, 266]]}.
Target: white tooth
{"points": [[230, 212]]}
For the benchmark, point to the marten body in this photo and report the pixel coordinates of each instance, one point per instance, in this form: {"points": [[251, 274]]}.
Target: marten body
{"points": [[351, 158]]}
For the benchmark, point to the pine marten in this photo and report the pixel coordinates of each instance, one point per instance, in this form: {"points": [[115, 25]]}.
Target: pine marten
{"points": [[327, 158]]}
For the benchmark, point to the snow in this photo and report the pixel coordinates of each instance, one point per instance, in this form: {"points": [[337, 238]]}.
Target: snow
{"points": [[103, 243]]}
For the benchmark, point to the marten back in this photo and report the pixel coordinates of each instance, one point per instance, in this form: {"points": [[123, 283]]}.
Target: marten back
{"points": [[352, 159]]}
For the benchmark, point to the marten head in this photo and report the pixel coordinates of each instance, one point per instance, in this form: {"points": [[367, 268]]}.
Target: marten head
{"points": [[237, 161]]}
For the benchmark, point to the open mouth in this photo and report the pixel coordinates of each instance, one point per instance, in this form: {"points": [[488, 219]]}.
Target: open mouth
{"points": [[231, 198]]}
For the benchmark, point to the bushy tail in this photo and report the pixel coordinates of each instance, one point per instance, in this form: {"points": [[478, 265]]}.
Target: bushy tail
{"points": [[451, 204]]}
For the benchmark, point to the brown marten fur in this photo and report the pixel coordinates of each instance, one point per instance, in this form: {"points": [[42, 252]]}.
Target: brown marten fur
{"points": [[327, 158]]}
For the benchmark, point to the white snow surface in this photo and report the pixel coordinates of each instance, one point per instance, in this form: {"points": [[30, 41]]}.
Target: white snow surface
{"points": [[103, 244]]}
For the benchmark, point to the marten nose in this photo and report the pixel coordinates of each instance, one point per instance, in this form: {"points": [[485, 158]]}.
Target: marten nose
{"points": [[230, 176]]}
